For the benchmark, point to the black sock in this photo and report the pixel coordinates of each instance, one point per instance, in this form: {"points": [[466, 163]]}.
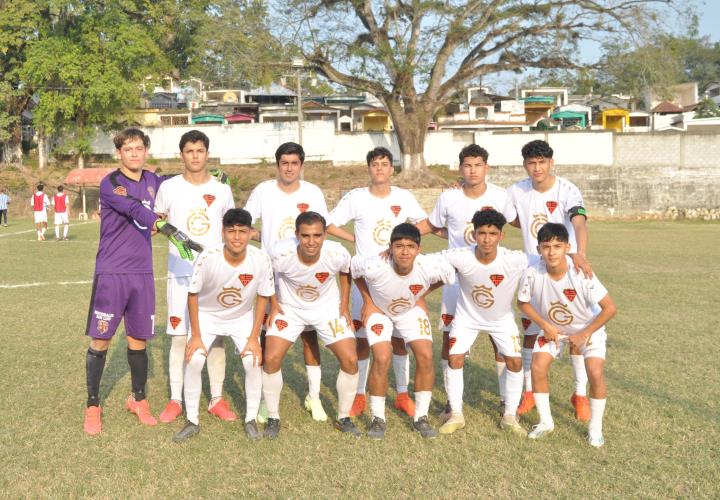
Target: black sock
{"points": [[94, 365], [138, 362]]}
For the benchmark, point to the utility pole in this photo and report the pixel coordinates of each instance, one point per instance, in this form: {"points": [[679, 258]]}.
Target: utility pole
{"points": [[299, 64]]}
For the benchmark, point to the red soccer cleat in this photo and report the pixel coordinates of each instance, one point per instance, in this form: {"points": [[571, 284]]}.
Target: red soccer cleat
{"points": [[141, 409], [358, 405], [582, 407], [172, 411], [93, 422], [222, 411], [527, 403], [405, 404]]}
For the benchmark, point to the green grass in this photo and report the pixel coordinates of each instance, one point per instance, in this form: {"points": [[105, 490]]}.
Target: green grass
{"points": [[661, 424]]}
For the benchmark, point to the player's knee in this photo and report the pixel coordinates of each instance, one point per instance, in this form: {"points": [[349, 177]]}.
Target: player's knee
{"points": [[456, 361], [423, 359], [197, 361], [382, 358], [272, 362], [514, 364], [594, 372]]}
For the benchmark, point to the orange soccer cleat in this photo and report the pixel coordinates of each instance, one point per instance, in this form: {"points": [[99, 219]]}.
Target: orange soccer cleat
{"points": [[172, 411], [405, 404], [582, 407], [222, 411], [358, 406], [93, 422], [141, 409], [527, 403]]}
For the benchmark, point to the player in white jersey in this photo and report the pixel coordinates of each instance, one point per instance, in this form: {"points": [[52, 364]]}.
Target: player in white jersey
{"points": [[60, 203], [277, 203], [194, 203], [306, 267], [392, 293], [229, 289], [453, 212], [544, 197], [40, 202], [488, 275], [570, 309], [375, 211]]}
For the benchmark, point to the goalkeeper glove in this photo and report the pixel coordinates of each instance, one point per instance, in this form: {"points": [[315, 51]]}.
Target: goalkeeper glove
{"points": [[180, 240], [221, 176]]}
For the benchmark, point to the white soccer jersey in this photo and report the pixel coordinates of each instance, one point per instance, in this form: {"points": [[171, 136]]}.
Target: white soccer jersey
{"points": [[454, 210], [487, 291], [374, 217], [571, 303], [394, 294], [278, 209], [534, 209], [196, 210], [310, 287], [227, 292]]}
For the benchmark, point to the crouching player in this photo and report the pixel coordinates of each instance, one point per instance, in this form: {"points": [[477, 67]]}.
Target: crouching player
{"points": [[488, 276], [229, 289], [392, 293], [308, 296], [572, 310]]}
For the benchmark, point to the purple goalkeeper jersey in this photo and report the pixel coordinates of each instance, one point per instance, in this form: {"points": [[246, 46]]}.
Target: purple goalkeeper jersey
{"points": [[126, 221]]}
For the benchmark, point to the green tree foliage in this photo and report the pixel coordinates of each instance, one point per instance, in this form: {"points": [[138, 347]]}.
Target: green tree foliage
{"points": [[707, 109]]}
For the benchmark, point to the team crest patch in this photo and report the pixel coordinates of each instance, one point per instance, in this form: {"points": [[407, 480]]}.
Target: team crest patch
{"points": [[357, 324], [526, 323], [496, 279], [151, 191], [245, 278], [321, 277], [551, 205], [209, 198], [487, 207], [542, 341], [120, 191], [447, 319], [451, 342], [570, 293], [415, 289], [377, 329], [396, 209], [281, 324], [303, 207], [174, 321], [103, 326]]}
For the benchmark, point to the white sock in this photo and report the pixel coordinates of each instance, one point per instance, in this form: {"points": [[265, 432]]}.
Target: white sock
{"points": [[500, 369], [272, 385], [216, 367], [444, 366], [363, 365], [377, 406], [57, 232], [253, 387], [578, 362], [597, 410], [176, 365], [456, 385], [542, 403], [346, 385], [401, 367], [65, 230], [193, 386], [314, 375], [513, 391], [527, 366], [422, 403], [42, 231], [39, 234]]}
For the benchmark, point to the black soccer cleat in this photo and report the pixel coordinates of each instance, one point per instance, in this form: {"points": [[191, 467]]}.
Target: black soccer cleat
{"points": [[272, 428], [346, 426], [186, 432], [251, 431], [424, 428], [377, 428]]}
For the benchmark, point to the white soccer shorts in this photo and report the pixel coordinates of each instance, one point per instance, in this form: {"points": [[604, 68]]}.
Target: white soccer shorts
{"points": [[40, 216], [289, 325], [594, 348], [240, 333], [410, 326], [506, 338], [61, 218], [177, 315]]}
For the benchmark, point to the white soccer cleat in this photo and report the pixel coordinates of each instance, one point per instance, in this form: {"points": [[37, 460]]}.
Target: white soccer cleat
{"points": [[540, 430], [596, 441], [314, 406], [454, 423], [510, 423]]}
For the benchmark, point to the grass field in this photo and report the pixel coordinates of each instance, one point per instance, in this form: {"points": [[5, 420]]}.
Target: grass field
{"points": [[661, 427]]}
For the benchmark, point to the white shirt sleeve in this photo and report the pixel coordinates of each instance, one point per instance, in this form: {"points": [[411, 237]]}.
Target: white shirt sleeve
{"points": [[510, 212], [357, 267], [267, 283], [438, 216], [342, 213], [573, 197], [254, 204], [161, 204], [415, 212], [527, 283], [197, 279], [595, 290]]}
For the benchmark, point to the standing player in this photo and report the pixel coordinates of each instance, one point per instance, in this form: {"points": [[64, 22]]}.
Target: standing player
{"points": [[570, 309], [453, 211], [60, 204], [376, 210], [227, 295], [193, 202], [308, 296], [40, 202], [123, 286], [488, 276], [544, 197], [391, 291], [4, 201], [278, 202]]}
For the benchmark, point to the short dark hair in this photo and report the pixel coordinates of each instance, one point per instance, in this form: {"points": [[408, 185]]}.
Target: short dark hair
{"points": [[309, 218], [537, 149], [194, 136], [40, 187], [473, 151], [290, 148], [60, 188], [237, 217], [405, 231], [379, 152], [488, 217], [129, 134], [553, 231]]}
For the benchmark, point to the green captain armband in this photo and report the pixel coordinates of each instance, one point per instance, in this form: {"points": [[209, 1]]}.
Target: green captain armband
{"points": [[577, 211]]}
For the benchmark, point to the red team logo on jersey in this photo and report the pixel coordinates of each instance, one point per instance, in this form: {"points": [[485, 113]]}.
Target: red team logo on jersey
{"points": [[447, 319], [208, 199], [357, 324], [551, 205], [245, 278], [321, 277], [496, 278], [174, 321], [120, 191], [451, 342], [396, 209], [280, 324], [377, 329], [415, 289], [526, 323], [487, 208], [542, 341], [303, 207], [570, 293]]}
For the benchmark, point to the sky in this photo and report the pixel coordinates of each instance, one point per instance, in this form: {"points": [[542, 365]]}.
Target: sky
{"points": [[709, 17]]}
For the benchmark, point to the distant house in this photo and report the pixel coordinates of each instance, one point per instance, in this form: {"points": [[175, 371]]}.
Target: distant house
{"points": [[712, 91], [164, 100], [667, 116], [482, 110]]}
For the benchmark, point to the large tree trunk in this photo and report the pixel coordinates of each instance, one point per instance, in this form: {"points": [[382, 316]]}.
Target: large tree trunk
{"points": [[410, 128], [12, 148], [43, 149]]}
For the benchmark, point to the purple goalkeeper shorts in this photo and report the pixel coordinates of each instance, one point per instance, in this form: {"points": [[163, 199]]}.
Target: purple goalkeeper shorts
{"points": [[122, 296]]}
